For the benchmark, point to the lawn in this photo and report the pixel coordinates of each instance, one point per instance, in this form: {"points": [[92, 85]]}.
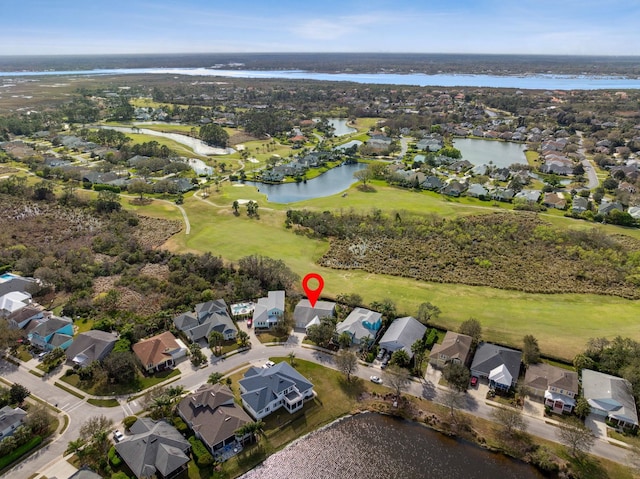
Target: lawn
{"points": [[562, 323], [142, 383]]}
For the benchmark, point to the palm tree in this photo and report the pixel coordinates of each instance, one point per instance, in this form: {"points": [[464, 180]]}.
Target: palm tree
{"points": [[214, 378], [236, 207], [243, 339], [215, 341]]}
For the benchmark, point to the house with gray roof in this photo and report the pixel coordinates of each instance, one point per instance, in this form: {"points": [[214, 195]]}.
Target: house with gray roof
{"points": [[154, 449], [580, 204], [610, 397], [85, 473], [531, 196], [268, 311], [214, 417], [556, 387], [91, 346], [52, 333], [497, 364], [455, 348], [267, 389], [304, 313], [360, 324], [207, 317], [402, 333], [10, 420], [476, 190], [10, 282], [607, 207]]}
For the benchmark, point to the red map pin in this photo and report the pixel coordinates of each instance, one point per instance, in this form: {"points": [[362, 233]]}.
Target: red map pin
{"points": [[313, 294]]}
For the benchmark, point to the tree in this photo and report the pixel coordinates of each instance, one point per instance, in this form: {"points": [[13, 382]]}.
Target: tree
{"points": [[292, 358], [400, 358], [347, 363], [454, 399], [243, 339], [509, 419], [139, 187], [255, 429], [457, 375], [236, 207], [397, 378], [8, 336], [583, 408], [344, 340], [471, 327], [427, 312], [216, 339], [578, 438], [196, 355], [322, 333], [121, 367], [39, 419], [107, 202], [387, 308], [531, 350], [214, 135], [18, 393], [214, 378], [419, 350], [364, 176], [95, 433]]}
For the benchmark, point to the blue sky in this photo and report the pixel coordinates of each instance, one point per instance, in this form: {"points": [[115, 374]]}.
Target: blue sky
{"points": [[581, 27]]}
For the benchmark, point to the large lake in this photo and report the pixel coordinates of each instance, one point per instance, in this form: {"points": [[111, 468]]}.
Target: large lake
{"points": [[531, 82], [500, 153], [371, 446], [330, 183]]}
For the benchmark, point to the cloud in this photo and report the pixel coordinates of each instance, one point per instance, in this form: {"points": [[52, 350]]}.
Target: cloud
{"points": [[334, 28]]}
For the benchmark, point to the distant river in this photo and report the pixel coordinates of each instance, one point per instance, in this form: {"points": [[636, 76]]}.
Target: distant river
{"points": [[371, 446], [527, 82]]}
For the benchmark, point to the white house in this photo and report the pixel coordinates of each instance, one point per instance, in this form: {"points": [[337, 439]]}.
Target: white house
{"points": [[268, 311], [10, 420], [360, 324]]}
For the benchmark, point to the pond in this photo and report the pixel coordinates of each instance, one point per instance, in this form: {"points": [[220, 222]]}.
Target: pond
{"points": [[340, 126], [500, 153], [370, 445], [330, 183]]}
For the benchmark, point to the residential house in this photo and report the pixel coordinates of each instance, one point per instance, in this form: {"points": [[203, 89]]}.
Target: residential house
{"points": [[554, 200], [360, 324], [455, 348], [460, 165], [207, 317], [430, 144], [10, 282], [580, 204], [212, 414], [159, 352], [476, 190], [154, 449], [52, 333], [304, 313], [10, 420], [85, 473], [502, 194], [13, 302], [402, 333], [91, 346], [453, 188], [557, 387], [500, 174], [432, 183], [634, 211], [557, 164], [22, 317], [607, 207], [265, 390], [379, 142], [268, 311], [497, 364], [531, 196], [610, 397]]}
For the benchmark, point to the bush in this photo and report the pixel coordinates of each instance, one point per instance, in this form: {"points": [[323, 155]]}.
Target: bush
{"points": [[20, 451], [180, 425], [129, 421], [543, 461], [200, 453], [103, 187], [431, 338], [119, 475], [114, 459]]}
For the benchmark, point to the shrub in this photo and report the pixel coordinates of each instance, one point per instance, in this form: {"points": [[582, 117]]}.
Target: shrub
{"points": [[200, 453], [431, 338], [180, 425], [129, 421], [114, 459], [20, 451], [119, 475]]}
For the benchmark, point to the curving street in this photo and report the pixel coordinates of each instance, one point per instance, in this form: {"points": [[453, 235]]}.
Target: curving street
{"points": [[49, 460]]}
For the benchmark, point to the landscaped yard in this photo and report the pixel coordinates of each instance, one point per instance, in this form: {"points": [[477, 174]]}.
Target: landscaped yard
{"points": [[102, 389]]}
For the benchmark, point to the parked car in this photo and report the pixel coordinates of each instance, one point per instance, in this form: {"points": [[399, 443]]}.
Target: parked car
{"points": [[268, 364], [249, 322], [118, 436], [474, 381], [381, 354], [376, 379]]}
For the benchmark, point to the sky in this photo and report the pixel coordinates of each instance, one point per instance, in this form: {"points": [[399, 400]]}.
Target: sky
{"points": [[559, 27]]}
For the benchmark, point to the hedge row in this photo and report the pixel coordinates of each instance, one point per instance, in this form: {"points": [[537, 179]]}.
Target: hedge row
{"points": [[20, 451], [200, 453]]}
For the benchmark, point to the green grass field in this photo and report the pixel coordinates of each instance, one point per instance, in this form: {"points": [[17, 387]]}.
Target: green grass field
{"points": [[562, 323]]}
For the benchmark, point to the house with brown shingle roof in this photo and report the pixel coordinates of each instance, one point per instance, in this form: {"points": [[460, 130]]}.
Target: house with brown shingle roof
{"points": [[558, 387], [159, 352], [455, 348], [214, 417]]}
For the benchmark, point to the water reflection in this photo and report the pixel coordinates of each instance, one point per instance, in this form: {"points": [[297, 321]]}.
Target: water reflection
{"points": [[370, 446]]}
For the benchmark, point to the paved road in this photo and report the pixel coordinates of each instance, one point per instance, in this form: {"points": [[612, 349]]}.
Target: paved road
{"points": [[589, 167], [191, 378]]}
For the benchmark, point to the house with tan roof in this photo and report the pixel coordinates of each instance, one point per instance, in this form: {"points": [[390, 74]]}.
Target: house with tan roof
{"points": [[557, 387], [159, 352], [455, 348], [214, 417]]}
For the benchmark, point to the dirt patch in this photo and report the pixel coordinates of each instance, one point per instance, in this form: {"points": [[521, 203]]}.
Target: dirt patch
{"points": [[154, 232], [158, 271]]}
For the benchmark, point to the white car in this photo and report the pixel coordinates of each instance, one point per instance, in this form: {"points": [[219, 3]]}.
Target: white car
{"points": [[376, 379], [118, 436], [268, 364]]}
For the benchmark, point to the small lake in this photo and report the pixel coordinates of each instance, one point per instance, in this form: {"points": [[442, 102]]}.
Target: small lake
{"points": [[500, 153], [348, 144], [371, 446], [330, 183], [340, 126]]}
